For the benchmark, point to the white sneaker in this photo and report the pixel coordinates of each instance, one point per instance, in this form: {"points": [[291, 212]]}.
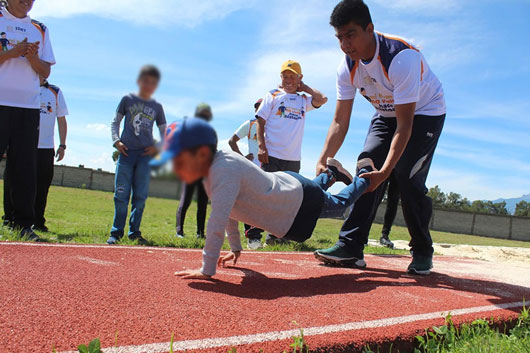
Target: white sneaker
{"points": [[254, 244]]}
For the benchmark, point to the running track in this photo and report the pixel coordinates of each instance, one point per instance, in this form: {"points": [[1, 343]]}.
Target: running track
{"points": [[63, 295]]}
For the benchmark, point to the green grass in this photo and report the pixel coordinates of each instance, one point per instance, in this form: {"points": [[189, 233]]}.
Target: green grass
{"points": [[85, 216]]}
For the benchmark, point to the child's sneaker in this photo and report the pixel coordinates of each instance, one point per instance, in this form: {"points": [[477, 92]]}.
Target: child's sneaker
{"points": [[338, 170], [112, 240], [385, 241], [254, 244], [200, 235], [179, 235], [141, 240], [367, 164]]}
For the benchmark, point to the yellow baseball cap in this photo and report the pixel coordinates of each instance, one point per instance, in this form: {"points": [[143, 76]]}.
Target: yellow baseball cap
{"points": [[293, 66]]}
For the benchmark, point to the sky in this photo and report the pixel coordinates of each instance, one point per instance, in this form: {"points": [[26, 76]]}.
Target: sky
{"points": [[229, 52]]}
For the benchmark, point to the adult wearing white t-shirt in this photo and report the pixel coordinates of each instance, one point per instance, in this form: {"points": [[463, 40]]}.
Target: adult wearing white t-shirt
{"points": [[29, 55], [410, 109], [52, 108], [281, 121]]}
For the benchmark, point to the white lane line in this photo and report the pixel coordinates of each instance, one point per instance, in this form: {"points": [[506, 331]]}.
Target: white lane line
{"points": [[129, 247], [209, 343], [96, 261]]}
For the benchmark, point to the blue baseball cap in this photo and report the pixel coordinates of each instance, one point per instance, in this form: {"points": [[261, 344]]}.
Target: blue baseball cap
{"points": [[182, 135]]}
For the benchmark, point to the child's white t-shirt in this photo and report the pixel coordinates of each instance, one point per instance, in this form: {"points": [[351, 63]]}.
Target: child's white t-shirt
{"points": [[52, 105], [284, 114], [249, 131]]}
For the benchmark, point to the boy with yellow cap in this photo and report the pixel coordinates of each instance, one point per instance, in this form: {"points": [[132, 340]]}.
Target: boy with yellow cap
{"points": [[281, 121]]}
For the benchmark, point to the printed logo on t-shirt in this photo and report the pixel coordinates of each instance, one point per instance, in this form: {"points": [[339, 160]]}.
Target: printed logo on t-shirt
{"points": [[289, 112], [46, 108], [379, 101], [142, 117]]}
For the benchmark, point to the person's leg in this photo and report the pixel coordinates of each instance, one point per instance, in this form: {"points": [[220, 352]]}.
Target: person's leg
{"points": [[324, 180], [337, 204], [23, 169], [5, 129], [185, 201], [392, 204], [202, 204], [122, 193], [140, 192], [8, 194], [354, 233], [45, 161], [411, 173]]}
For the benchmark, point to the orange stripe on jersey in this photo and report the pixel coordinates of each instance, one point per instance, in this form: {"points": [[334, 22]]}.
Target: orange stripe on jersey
{"points": [[399, 40], [421, 77], [383, 67], [250, 128], [40, 30], [354, 70]]}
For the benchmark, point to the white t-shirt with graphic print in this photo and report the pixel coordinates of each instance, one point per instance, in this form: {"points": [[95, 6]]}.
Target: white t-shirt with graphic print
{"points": [[398, 74], [284, 114], [52, 105], [249, 130], [19, 83]]}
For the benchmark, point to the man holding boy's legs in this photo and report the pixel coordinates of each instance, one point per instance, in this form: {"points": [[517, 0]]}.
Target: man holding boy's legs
{"points": [[281, 121], [283, 203], [410, 112], [137, 147]]}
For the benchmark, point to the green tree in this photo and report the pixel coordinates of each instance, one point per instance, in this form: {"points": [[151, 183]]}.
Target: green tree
{"points": [[522, 209], [115, 156], [437, 196]]}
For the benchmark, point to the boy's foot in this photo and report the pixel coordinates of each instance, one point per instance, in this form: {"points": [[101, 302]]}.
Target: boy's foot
{"points": [[338, 255], [420, 265], [386, 242], [41, 228], [272, 240], [141, 240], [367, 164], [29, 235], [112, 240], [254, 244], [341, 174], [180, 235], [200, 235]]}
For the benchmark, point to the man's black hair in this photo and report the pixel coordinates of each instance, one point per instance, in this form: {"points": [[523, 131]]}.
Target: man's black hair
{"points": [[213, 149], [347, 11], [150, 70], [1, 34]]}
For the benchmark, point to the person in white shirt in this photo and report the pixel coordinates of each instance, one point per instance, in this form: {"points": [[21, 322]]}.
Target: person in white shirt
{"points": [[409, 103], [52, 108], [29, 55], [249, 131], [281, 121]]}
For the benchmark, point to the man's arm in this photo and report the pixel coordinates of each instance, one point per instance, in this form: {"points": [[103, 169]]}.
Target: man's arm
{"points": [[17, 51], [233, 144], [63, 130], [263, 154], [41, 67], [319, 99], [405, 120], [336, 133]]}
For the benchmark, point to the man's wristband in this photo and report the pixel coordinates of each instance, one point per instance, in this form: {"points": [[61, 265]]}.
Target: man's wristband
{"points": [[63, 147]]}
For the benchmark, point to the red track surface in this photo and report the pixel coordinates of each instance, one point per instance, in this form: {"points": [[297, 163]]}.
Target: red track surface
{"points": [[61, 296]]}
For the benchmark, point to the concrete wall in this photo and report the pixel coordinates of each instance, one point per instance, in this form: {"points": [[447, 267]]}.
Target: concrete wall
{"points": [[503, 227]]}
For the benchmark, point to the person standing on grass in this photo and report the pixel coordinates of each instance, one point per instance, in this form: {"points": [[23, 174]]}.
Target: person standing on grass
{"points": [[29, 55], [249, 131], [409, 101], [52, 108], [204, 112], [137, 147], [281, 121], [392, 204]]}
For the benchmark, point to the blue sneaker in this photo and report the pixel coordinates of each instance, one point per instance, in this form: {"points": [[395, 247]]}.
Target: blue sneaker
{"points": [[113, 240], [339, 256]]}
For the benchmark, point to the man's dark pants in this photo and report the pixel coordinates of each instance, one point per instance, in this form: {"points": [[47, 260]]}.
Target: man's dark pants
{"points": [[274, 165], [19, 136], [45, 163], [411, 172], [185, 201], [392, 204]]}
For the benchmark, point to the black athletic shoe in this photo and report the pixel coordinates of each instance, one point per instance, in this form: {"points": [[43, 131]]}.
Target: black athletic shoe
{"points": [[41, 228], [420, 265], [29, 234], [179, 235], [141, 240], [200, 235], [341, 174], [385, 241]]}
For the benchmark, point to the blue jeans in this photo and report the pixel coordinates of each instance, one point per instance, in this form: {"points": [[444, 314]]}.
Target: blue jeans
{"points": [[336, 205], [132, 174]]}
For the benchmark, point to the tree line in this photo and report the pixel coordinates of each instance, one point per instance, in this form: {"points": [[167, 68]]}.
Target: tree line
{"points": [[454, 201]]}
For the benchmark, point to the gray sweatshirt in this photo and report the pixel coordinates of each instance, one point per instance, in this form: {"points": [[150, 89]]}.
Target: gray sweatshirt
{"points": [[240, 191]]}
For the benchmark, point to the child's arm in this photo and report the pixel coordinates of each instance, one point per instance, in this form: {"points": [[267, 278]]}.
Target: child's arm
{"points": [[234, 238], [115, 128], [318, 98]]}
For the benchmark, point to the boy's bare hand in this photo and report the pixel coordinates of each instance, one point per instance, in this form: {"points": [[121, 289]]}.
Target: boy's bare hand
{"points": [[231, 256], [192, 274], [120, 146], [150, 151], [321, 168], [263, 156], [20, 49], [60, 154]]}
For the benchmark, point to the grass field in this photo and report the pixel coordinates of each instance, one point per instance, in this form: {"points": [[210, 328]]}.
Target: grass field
{"points": [[85, 216]]}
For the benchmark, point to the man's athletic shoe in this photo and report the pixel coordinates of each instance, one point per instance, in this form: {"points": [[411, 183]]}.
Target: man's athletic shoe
{"points": [[41, 228], [420, 265], [29, 234], [180, 235], [200, 235], [112, 240], [338, 255], [272, 240], [338, 170], [254, 244], [385, 241], [367, 164], [141, 240]]}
